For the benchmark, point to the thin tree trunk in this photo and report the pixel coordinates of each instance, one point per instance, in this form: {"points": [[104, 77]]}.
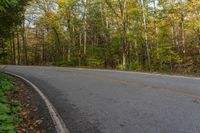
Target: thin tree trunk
{"points": [[18, 50], [156, 29], [173, 36], [70, 37], [183, 38], [85, 27], [146, 35], [136, 53], [58, 44], [43, 50], [176, 38], [183, 33], [79, 50], [11, 49], [3, 51], [124, 32], [14, 49], [24, 41]]}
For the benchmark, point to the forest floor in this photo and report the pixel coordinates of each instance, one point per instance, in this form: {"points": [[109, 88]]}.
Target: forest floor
{"points": [[24, 110]]}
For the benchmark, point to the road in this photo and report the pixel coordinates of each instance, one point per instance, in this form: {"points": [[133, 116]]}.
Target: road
{"points": [[103, 101]]}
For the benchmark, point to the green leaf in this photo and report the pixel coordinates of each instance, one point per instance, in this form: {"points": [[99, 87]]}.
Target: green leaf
{"points": [[5, 118], [4, 108], [8, 128], [15, 103]]}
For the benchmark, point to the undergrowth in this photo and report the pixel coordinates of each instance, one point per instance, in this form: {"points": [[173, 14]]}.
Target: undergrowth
{"points": [[8, 108]]}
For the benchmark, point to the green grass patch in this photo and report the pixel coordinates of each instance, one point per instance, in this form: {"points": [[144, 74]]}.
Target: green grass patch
{"points": [[8, 109]]}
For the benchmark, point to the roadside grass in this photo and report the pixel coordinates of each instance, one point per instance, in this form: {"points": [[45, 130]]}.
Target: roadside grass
{"points": [[8, 108]]}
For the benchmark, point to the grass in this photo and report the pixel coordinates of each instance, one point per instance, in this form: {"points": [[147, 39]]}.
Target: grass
{"points": [[8, 108]]}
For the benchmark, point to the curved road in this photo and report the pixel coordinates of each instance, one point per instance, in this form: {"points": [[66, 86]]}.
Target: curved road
{"points": [[103, 101]]}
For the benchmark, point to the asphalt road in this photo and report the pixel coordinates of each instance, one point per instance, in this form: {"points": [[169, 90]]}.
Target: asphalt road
{"points": [[94, 101]]}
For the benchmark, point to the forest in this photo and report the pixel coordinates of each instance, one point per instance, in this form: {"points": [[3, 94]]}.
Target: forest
{"points": [[138, 35]]}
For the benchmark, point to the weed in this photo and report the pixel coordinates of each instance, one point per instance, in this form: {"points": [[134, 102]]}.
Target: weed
{"points": [[8, 109]]}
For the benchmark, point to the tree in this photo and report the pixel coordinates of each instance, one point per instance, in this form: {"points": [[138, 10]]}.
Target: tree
{"points": [[124, 34], [11, 16]]}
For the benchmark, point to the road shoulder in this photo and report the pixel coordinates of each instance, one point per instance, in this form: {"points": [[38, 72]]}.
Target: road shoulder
{"points": [[36, 117]]}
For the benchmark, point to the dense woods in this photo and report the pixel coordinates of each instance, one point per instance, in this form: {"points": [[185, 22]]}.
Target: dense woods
{"points": [[141, 35], [11, 25]]}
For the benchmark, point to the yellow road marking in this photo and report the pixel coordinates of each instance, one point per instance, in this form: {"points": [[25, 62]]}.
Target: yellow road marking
{"points": [[141, 85]]}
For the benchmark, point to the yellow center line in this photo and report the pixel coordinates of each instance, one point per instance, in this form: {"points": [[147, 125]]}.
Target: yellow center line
{"points": [[141, 85]]}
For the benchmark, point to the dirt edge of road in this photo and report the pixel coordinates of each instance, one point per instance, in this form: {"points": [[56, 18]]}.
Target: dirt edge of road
{"points": [[35, 114]]}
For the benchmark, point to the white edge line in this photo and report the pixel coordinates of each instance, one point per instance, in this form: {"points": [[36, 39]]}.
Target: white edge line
{"points": [[58, 122]]}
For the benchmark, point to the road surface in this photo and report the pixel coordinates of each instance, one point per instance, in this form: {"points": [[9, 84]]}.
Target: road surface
{"points": [[103, 101]]}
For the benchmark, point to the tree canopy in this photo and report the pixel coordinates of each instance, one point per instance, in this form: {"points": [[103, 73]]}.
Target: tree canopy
{"points": [[150, 35]]}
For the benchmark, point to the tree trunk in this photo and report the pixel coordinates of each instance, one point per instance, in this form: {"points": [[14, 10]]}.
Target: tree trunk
{"points": [[183, 38], [14, 49], [11, 49], [3, 51], [146, 35], [156, 30], [124, 32], [70, 37], [85, 27], [58, 44], [24, 41], [18, 50], [79, 50]]}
